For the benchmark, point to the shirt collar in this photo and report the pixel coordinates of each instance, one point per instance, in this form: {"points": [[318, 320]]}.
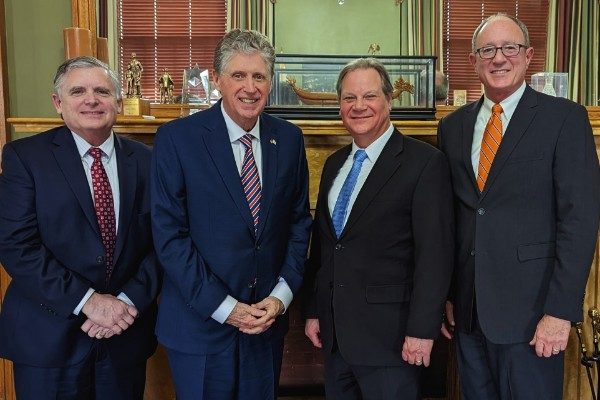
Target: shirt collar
{"points": [[509, 105], [374, 149], [108, 147], [234, 131]]}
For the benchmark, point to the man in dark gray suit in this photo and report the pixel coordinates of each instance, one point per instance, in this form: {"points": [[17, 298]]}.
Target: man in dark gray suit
{"points": [[527, 205], [380, 268]]}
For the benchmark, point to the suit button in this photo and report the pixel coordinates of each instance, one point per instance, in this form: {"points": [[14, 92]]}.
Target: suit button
{"points": [[251, 284], [481, 211], [100, 259], [472, 252], [258, 247], [338, 246]]}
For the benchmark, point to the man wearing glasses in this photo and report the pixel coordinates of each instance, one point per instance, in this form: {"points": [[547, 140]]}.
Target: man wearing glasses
{"points": [[526, 187]]}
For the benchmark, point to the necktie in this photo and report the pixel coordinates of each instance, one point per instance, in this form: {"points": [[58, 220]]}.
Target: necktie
{"points": [[341, 204], [105, 209], [250, 179], [489, 145]]}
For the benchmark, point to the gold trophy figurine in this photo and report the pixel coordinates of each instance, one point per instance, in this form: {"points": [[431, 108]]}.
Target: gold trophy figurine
{"points": [[134, 77], [166, 87]]}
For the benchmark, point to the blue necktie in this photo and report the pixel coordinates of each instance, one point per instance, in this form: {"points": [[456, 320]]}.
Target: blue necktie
{"points": [[341, 204]]}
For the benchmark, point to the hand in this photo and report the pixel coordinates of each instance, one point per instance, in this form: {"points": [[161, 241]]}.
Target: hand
{"points": [[109, 312], [417, 351], [96, 331], [448, 322], [312, 330], [551, 336], [242, 316], [273, 308]]}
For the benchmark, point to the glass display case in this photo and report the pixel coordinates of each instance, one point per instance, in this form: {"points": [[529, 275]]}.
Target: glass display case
{"points": [[304, 86]]}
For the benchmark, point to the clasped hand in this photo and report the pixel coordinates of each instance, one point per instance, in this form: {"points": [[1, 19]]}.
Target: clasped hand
{"points": [[107, 316], [256, 318]]}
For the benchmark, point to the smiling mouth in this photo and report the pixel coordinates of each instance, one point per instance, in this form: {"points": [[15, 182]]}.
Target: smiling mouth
{"points": [[248, 101], [500, 71]]}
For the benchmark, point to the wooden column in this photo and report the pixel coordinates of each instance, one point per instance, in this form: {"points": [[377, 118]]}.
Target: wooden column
{"points": [[6, 373], [84, 16]]}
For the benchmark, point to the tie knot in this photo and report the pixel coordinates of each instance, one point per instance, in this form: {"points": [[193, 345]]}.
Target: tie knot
{"points": [[360, 156], [246, 140], [497, 109], [96, 153]]}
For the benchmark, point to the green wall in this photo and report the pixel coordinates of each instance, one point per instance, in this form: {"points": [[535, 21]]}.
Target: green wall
{"points": [[325, 27], [34, 45]]}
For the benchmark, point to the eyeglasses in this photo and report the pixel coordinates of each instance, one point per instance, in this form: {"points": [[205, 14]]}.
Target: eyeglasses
{"points": [[508, 50]]}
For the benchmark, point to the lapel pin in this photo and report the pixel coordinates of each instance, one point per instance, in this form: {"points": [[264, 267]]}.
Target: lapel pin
{"points": [[273, 141]]}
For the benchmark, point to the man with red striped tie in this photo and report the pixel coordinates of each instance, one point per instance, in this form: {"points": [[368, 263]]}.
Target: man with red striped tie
{"points": [[231, 225]]}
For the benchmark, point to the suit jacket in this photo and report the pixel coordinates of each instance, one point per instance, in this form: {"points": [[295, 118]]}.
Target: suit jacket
{"points": [[204, 233], [388, 274], [524, 245], [51, 247]]}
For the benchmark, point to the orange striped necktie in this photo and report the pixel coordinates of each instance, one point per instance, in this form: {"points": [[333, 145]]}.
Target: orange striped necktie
{"points": [[489, 145]]}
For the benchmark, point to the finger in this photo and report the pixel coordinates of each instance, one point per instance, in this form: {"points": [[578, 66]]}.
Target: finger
{"points": [[133, 312], [446, 332], [87, 325]]}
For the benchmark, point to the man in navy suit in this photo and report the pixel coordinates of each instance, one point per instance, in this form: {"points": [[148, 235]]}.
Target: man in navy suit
{"points": [[527, 220], [233, 254], [78, 316]]}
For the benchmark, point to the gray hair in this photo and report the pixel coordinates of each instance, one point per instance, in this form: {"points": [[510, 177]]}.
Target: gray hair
{"points": [[516, 20], [246, 42], [366, 63], [85, 62]]}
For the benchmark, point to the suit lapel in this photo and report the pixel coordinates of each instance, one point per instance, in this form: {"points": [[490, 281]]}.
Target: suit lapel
{"points": [[127, 169], [515, 130], [68, 159], [269, 149], [219, 148], [468, 128], [386, 165], [334, 163]]}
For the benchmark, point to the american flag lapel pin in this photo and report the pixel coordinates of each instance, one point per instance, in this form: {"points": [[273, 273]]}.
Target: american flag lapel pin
{"points": [[273, 141]]}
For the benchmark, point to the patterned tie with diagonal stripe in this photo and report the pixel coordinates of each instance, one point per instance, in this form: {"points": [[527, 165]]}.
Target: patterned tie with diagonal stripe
{"points": [[489, 145], [105, 208], [250, 179]]}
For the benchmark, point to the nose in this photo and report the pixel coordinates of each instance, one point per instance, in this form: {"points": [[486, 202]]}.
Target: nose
{"points": [[249, 85], [90, 97], [500, 55], [359, 104]]}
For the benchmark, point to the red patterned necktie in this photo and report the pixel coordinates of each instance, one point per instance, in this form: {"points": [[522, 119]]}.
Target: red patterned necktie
{"points": [[489, 145], [250, 179], [105, 208]]}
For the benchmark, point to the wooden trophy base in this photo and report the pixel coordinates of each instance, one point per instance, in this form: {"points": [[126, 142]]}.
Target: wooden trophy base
{"points": [[135, 107]]}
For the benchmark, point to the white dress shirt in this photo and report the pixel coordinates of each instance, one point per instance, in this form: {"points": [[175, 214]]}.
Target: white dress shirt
{"points": [[109, 161], [373, 151], [509, 105], [281, 290]]}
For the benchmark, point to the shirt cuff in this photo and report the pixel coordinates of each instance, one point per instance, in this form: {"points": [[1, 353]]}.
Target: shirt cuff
{"points": [[225, 308], [123, 297], [87, 296], [283, 292]]}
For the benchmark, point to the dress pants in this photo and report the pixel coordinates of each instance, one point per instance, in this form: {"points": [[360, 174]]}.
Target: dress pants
{"points": [[354, 382], [490, 371], [248, 369], [95, 378]]}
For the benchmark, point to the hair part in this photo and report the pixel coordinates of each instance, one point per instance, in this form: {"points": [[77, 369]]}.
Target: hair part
{"points": [[85, 62], [516, 20], [246, 42], [366, 63]]}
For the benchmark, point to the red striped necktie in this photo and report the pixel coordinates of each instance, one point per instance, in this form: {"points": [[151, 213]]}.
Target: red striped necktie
{"points": [[250, 179]]}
